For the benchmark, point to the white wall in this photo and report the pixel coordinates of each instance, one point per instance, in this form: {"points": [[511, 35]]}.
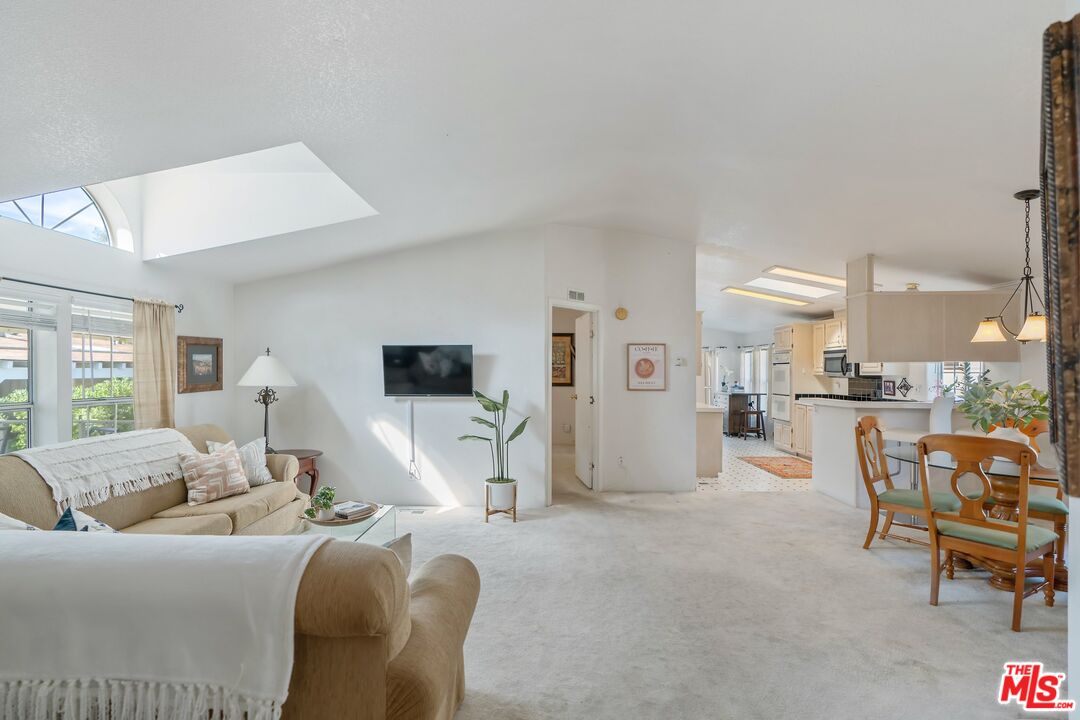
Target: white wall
{"points": [[492, 291], [562, 403], [33, 253], [653, 432], [328, 326]]}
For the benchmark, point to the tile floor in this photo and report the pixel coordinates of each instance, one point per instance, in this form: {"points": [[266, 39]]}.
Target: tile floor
{"points": [[744, 477]]}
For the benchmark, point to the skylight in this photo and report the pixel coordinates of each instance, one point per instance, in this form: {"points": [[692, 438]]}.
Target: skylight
{"points": [[792, 288], [764, 296], [244, 197], [804, 275]]}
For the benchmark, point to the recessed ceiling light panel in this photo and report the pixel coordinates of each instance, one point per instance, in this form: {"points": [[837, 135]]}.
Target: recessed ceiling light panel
{"points": [[764, 296], [804, 275], [792, 288]]}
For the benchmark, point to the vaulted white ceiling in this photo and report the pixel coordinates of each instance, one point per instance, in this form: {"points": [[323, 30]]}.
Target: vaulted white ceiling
{"points": [[801, 134]]}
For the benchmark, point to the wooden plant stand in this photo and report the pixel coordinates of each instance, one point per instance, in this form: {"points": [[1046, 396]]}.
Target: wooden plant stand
{"points": [[489, 511]]}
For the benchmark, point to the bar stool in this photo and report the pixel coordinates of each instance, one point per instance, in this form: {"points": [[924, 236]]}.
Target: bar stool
{"points": [[756, 428]]}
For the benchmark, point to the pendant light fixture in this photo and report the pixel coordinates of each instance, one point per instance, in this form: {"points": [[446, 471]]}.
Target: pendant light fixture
{"points": [[1034, 328]]}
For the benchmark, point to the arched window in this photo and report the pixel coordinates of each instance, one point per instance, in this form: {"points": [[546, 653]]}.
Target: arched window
{"points": [[72, 212]]}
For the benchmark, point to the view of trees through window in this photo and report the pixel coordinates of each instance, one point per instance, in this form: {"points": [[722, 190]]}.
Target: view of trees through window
{"points": [[15, 389], [101, 389], [101, 386]]}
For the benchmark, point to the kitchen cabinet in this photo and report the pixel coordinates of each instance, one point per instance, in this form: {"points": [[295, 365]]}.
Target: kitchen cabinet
{"points": [[783, 337], [798, 428], [835, 334], [818, 348], [875, 368], [782, 435], [802, 429], [922, 326]]}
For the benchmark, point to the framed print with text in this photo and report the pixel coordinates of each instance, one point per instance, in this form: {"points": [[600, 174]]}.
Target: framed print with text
{"points": [[646, 366]]}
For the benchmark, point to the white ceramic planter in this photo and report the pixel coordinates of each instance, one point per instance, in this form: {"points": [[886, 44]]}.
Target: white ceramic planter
{"points": [[325, 514], [1009, 433], [502, 494]]}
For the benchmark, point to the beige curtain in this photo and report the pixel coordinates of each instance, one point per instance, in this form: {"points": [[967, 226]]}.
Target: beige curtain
{"points": [[1061, 239], [155, 364]]}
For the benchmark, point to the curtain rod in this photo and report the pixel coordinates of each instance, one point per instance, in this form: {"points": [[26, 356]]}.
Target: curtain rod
{"points": [[179, 306]]}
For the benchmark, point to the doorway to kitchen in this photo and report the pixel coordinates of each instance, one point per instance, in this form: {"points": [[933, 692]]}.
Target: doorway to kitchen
{"points": [[573, 399]]}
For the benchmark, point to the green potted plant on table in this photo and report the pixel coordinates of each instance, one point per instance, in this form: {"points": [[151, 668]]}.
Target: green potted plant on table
{"points": [[1005, 411], [322, 504], [501, 485]]}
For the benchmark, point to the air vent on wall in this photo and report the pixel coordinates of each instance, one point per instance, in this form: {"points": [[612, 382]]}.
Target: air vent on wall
{"points": [[576, 295]]}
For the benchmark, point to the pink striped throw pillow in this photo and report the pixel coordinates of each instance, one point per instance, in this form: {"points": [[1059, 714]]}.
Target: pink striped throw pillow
{"points": [[214, 476]]}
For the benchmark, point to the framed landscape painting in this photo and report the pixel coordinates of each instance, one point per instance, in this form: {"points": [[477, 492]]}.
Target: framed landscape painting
{"points": [[646, 366], [198, 364], [562, 359]]}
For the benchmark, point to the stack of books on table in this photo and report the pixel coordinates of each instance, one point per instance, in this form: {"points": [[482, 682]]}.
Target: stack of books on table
{"points": [[352, 510]]}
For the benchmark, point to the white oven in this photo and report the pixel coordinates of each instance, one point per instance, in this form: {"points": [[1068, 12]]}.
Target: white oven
{"points": [[780, 386], [780, 407]]}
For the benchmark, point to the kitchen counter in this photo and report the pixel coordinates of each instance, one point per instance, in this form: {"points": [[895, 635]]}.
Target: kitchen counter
{"points": [[865, 404], [710, 440], [836, 466]]}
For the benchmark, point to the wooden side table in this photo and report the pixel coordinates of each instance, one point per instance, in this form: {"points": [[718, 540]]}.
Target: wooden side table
{"points": [[308, 465]]}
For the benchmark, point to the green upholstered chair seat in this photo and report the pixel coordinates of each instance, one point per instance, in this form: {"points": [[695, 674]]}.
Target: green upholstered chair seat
{"points": [[1039, 503], [914, 499], [1036, 536]]}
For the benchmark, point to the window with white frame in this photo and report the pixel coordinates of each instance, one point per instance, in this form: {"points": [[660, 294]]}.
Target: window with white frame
{"points": [[754, 369], [54, 388], [954, 376], [761, 369], [72, 212], [23, 322], [102, 367], [16, 389]]}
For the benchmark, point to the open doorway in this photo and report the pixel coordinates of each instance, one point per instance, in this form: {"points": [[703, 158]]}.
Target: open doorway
{"points": [[573, 400]]}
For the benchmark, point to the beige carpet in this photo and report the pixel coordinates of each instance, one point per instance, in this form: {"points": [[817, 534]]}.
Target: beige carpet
{"points": [[722, 605]]}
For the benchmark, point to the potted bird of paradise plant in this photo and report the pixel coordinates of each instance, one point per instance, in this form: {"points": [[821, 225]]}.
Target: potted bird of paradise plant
{"points": [[501, 485]]}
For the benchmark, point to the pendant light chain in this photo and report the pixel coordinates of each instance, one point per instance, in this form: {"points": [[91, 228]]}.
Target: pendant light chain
{"points": [[1027, 238], [1034, 323]]}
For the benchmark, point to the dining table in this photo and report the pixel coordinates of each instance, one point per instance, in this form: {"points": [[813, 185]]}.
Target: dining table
{"points": [[1005, 493]]}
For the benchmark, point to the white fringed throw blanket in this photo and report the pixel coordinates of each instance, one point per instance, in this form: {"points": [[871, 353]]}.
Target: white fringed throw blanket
{"points": [[104, 626], [90, 471]]}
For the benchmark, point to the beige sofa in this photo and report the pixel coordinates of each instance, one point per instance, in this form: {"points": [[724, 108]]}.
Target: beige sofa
{"points": [[369, 644], [270, 509]]}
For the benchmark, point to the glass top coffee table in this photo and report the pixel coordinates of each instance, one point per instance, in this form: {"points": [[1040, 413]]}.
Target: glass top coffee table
{"points": [[377, 529]]}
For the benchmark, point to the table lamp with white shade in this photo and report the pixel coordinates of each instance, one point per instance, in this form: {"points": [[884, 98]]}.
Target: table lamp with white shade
{"points": [[267, 373]]}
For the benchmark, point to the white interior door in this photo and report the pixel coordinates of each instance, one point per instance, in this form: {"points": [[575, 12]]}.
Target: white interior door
{"points": [[585, 404]]}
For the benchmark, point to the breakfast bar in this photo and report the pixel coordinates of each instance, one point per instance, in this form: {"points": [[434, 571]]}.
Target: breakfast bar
{"points": [[836, 467]]}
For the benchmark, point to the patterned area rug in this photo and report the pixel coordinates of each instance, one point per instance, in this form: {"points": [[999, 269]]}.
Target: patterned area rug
{"points": [[789, 468]]}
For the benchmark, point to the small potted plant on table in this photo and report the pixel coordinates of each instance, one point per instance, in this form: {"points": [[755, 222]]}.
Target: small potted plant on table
{"points": [[501, 488], [322, 504]]}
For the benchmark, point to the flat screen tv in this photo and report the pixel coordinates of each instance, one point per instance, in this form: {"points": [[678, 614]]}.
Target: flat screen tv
{"points": [[427, 370]]}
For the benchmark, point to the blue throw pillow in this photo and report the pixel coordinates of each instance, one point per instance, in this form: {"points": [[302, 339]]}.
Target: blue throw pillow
{"points": [[74, 521]]}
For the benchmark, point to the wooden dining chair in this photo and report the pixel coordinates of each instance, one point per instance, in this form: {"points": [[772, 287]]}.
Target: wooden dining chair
{"points": [[969, 530], [870, 444], [1043, 506]]}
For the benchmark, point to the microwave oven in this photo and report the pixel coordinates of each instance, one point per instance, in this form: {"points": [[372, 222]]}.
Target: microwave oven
{"points": [[836, 365]]}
